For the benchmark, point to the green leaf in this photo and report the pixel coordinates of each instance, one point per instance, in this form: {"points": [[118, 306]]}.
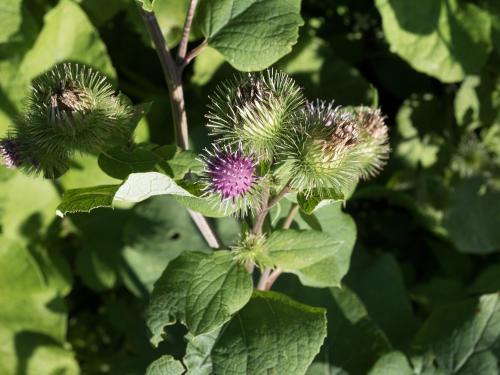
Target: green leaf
{"points": [[182, 162], [119, 163], [477, 102], [165, 365], [446, 39], [417, 121], [271, 334], [206, 65], [197, 358], [459, 338], [168, 299], [250, 34], [153, 237], [293, 250], [21, 205], [10, 14], [218, 288], [388, 303], [488, 281], [67, 35], [394, 363], [201, 291], [473, 217], [318, 259], [319, 368], [32, 317], [140, 186], [350, 326], [86, 199], [313, 202], [315, 66]]}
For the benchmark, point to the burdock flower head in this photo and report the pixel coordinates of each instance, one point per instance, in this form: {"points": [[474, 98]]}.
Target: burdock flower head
{"points": [[254, 110], [374, 141], [76, 106], [70, 109], [230, 175], [331, 148]]}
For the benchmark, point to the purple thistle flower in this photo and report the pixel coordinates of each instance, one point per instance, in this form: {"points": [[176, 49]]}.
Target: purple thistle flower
{"points": [[10, 153], [230, 173]]}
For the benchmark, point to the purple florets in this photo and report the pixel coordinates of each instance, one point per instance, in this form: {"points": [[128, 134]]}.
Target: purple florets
{"points": [[10, 154], [230, 173]]}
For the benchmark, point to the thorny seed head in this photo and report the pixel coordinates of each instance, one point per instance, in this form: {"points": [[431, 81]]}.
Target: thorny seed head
{"points": [[374, 141], [254, 110], [71, 108], [332, 148], [64, 99]]}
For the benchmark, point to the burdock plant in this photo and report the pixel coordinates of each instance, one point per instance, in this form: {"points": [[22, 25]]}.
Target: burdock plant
{"points": [[270, 147]]}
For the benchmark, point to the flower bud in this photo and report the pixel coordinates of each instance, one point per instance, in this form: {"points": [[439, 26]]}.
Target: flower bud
{"points": [[254, 110]]}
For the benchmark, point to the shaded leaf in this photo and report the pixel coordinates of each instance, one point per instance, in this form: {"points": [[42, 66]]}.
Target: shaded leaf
{"points": [[86, 199], [250, 34]]}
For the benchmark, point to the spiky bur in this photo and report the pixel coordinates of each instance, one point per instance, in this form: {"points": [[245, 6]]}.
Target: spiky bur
{"points": [[254, 110], [230, 176], [374, 149], [77, 106], [330, 148], [251, 250], [70, 109]]}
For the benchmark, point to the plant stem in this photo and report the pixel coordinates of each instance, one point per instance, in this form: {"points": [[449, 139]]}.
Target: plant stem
{"points": [[173, 78], [269, 277], [266, 206], [291, 215], [181, 53], [261, 215], [194, 52]]}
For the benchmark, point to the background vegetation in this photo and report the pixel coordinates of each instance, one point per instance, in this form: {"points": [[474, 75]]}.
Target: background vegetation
{"points": [[73, 292]]}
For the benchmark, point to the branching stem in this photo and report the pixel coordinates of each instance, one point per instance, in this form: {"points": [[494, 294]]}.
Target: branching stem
{"points": [[266, 206], [181, 53], [268, 277], [173, 77]]}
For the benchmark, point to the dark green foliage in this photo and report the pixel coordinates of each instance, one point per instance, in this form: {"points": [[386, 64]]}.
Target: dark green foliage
{"points": [[397, 275]]}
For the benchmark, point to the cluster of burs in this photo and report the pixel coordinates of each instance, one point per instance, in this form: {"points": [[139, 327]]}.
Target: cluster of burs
{"points": [[269, 136], [266, 135], [70, 109]]}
